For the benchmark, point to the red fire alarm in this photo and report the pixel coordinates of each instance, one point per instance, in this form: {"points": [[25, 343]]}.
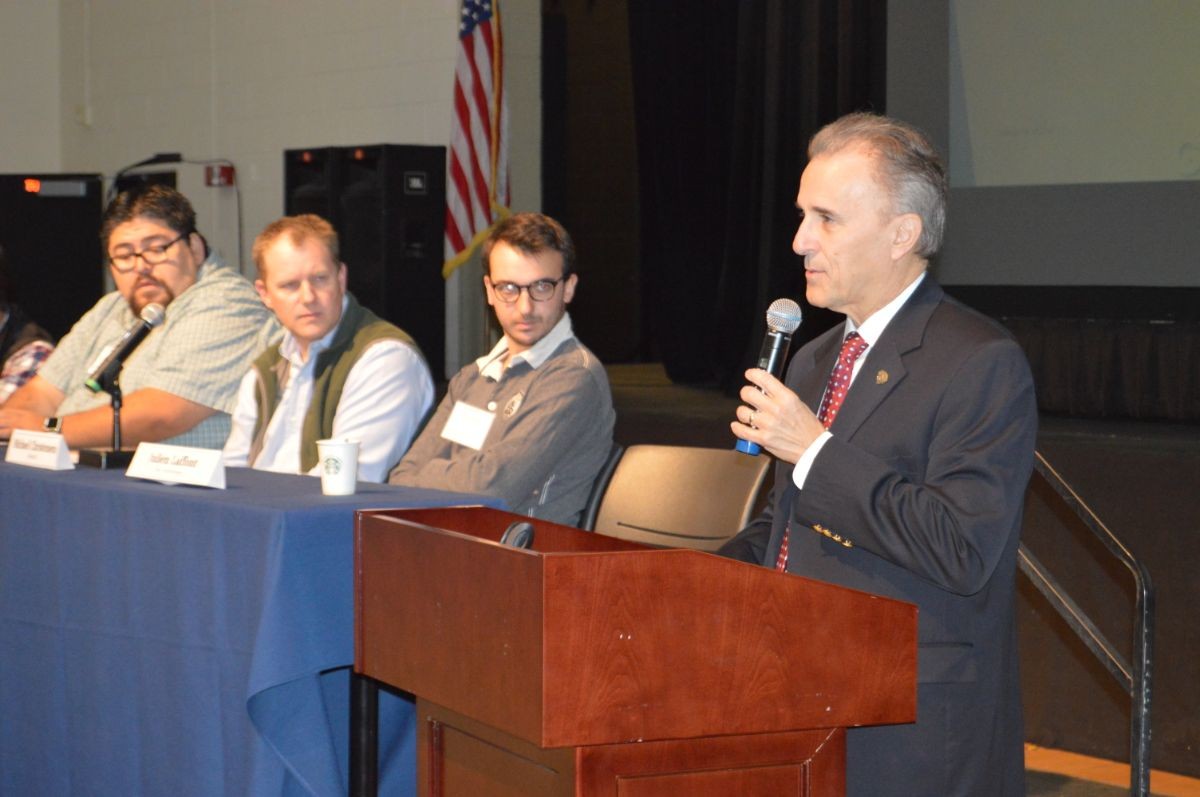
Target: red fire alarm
{"points": [[219, 174]]}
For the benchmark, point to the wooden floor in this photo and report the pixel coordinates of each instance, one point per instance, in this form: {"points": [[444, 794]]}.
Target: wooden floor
{"points": [[1111, 773]]}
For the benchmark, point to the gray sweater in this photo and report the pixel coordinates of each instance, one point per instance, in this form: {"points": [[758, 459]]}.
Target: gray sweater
{"points": [[551, 434]]}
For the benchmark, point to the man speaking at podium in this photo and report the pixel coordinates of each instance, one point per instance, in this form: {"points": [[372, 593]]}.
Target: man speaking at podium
{"points": [[905, 443], [179, 385]]}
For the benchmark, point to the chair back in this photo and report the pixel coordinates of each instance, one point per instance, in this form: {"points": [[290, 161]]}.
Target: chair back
{"points": [[587, 521], [681, 496]]}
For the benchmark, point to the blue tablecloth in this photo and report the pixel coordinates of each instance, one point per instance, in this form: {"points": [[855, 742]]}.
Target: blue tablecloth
{"points": [[165, 640]]}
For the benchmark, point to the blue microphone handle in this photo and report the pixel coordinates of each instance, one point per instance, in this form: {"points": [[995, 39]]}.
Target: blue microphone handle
{"points": [[770, 358]]}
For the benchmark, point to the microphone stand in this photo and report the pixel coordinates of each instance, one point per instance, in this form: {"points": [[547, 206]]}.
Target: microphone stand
{"points": [[104, 458], [114, 393]]}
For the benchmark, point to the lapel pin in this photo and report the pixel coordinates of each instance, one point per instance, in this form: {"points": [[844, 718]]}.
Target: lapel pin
{"points": [[881, 377]]}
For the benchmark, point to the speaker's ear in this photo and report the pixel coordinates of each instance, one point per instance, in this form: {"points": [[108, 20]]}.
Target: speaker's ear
{"points": [[518, 535]]}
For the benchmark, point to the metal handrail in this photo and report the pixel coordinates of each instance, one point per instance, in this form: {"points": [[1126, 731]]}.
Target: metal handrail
{"points": [[1135, 678]]}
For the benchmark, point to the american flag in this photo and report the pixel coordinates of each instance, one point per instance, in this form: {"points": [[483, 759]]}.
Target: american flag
{"points": [[477, 194]]}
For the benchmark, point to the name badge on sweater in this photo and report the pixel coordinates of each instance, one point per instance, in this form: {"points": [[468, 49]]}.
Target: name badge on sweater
{"points": [[468, 426]]}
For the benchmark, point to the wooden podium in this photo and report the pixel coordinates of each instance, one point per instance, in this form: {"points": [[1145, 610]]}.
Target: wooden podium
{"points": [[593, 666]]}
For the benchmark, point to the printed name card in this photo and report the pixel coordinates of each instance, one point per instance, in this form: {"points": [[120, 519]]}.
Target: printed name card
{"points": [[45, 450], [158, 462]]}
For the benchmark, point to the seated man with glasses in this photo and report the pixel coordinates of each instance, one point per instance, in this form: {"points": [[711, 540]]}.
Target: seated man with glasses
{"points": [[341, 371], [180, 384], [531, 421]]}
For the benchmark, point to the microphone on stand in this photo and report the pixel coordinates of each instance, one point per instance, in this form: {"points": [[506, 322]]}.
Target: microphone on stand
{"points": [[104, 372], [105, 375], [783, 318]]}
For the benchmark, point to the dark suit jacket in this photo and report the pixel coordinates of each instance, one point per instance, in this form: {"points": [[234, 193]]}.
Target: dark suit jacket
{"points": [[925, 477]]}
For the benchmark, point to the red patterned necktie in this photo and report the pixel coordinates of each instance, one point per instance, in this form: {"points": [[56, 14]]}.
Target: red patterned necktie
{"points": [[835, 393]]}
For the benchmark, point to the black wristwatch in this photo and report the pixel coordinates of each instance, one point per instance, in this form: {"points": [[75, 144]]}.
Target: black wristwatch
{"points": [[53, 425]]}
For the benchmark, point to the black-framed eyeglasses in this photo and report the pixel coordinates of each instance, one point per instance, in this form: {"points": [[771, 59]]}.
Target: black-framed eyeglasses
{"points": [[151, 255], [539, 290]]}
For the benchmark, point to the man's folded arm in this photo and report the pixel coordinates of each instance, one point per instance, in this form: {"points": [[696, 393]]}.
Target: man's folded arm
{"points": [[147, 415], [512, 467], [39, 396]]}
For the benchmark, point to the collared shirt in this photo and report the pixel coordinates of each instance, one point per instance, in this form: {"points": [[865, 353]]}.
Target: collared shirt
{"points": [[387, 393], [871, 331], [492, 364], [549, 434], [209, 337]]}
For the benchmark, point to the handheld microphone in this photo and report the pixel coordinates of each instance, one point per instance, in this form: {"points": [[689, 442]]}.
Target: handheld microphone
{"points": [[104, 371], [783, 318]]}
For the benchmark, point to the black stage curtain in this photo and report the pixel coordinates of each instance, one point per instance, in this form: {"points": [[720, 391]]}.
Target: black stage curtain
{"points": [[1103, 351], [1113, 368], [726, 96]]}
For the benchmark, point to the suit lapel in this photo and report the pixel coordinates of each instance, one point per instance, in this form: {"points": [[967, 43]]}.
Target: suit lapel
{"points": [[884, 369], [806, 377]]}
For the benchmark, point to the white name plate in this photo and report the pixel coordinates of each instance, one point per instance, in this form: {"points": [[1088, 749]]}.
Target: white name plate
{"points": [[45, 450], [158, 462]]}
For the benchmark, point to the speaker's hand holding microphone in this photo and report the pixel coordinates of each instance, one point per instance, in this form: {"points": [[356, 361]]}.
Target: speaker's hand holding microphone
{"points": [[773, 417]]}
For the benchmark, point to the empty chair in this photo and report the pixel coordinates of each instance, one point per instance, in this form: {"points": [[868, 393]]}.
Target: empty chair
{"points": [[681, 497], [587, 521]]}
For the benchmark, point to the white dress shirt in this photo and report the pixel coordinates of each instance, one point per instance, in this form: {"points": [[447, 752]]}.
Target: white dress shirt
{"points": [[387, 393], [871, 331]]}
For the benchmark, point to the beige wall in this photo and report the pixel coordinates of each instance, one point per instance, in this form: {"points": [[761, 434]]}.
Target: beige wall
{"points": [[29, 87], [1074, 91]]}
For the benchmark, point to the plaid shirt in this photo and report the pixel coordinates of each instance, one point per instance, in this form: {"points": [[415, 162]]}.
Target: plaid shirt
{"points": [[211, 334], [22, 365]]}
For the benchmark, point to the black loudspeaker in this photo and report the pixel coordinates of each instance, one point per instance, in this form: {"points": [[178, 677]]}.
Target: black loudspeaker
{"points": [[388, 204], [49, 228]]}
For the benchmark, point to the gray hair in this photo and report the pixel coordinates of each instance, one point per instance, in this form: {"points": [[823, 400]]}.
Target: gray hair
{"points": [[908, 167]]}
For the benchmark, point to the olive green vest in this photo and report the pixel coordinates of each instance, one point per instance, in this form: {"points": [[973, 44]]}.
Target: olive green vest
{"points": [[358, 329]]}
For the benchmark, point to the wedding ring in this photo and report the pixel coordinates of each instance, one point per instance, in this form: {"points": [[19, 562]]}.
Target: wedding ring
{"points": [[752, 414]]}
